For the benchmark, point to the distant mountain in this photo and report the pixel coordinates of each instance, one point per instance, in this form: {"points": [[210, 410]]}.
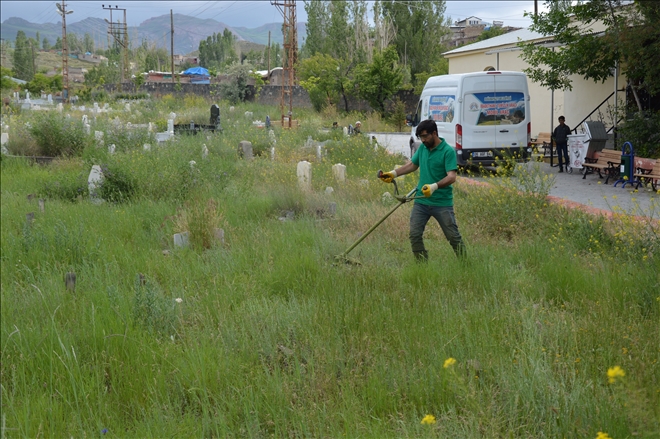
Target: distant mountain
{"points": [[188, 31]]}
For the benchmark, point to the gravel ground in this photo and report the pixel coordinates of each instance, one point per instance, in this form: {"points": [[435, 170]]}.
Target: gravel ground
{"points": [[592, 191]]}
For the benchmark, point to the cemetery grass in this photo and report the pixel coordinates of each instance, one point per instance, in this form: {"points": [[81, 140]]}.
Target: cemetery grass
{"points": [[264, 336]]}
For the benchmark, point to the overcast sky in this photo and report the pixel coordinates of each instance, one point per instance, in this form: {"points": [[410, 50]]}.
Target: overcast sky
{"points": [[239, 13]]}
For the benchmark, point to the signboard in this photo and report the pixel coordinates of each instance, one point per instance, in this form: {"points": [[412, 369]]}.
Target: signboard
{"points": [[495, 108], [441, 108], [577, 149]]}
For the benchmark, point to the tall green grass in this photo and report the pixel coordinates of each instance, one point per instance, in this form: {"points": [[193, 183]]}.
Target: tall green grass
{"points": [[265, 336]]}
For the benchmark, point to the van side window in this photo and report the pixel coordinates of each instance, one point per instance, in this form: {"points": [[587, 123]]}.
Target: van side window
{"points": [[418, 114]]}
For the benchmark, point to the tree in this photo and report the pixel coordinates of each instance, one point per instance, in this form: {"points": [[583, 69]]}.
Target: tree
{"points": [[319, 76], [420, 28], [237, 89], [23, 61], [317, 16], [104, 73], [45, 44], [378, 81], [490, 33], [88, 43], [58, 44], [5, 79], [41, 82], [630, 40], [218, 50]]}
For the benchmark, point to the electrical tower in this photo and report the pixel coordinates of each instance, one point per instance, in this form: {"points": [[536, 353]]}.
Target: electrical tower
{"points": [[119, 32], [290, 33], [61, 9]]}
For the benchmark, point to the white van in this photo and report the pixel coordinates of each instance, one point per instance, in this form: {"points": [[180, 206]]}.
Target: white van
{"points": [[483, 115]]}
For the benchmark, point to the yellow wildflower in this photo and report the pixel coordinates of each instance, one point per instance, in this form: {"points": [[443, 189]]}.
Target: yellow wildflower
{"points": [[602, 435], [449, 362], [613, 373], [430, 419]]}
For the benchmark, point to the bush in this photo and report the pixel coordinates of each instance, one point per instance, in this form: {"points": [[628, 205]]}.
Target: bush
{"points": [[58, 136], [643, 131], [118, 186], [67, 186]]}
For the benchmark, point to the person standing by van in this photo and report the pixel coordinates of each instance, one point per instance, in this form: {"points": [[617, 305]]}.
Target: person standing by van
{"points": [[560, 135], [437, 172]]}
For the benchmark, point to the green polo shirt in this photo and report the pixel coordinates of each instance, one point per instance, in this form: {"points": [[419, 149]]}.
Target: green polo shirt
{"points": [[433, 167]]}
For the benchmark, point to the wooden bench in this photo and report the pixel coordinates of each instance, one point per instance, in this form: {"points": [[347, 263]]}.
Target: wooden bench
{"points": [[648, 175], [545, 141], [608, 162]]}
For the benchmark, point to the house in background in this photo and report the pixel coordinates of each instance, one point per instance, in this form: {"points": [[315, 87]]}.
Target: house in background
{"points": [[502, 53], [468, 30]]}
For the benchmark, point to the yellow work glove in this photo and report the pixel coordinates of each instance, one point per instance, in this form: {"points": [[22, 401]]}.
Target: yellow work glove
{"points": [[428, 189], [387, 177]]}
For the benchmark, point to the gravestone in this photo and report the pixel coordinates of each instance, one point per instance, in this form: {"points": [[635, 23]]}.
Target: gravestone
{"points": [[215, 115], [231, 108], [248, 114], [98, 136], [319, 152], [146, 147], [272, 153], [82, 108], [339, 172], [70, 281], [29, 218], [205, 152], [170, 126], [94, 182], [27, 96], [271, 137], [116, 122], [219, 235], [192, 164], [245, 150], [96, 106], [329, 190], [50, 99], [88, 128], [304, 173], [4, 138], [84, 119], [60, 107], [172, 115], [106, 106], [332, 208], [127, 108], [42, 205], [111, 148], [151, 127], [163, 137], [345, 130], [181, 239]]}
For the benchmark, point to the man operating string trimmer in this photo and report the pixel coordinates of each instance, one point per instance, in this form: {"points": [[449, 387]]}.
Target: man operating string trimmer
{"points": [[437, 172]]}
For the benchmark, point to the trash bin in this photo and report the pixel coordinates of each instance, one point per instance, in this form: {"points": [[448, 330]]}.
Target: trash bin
{"points": [[596, 137]]}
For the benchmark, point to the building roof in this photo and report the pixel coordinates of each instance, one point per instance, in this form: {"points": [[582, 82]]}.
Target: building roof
{"points": [[507, 39]]}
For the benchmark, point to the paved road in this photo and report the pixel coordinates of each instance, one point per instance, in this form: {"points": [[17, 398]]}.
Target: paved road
{"points": [[591, 191]]}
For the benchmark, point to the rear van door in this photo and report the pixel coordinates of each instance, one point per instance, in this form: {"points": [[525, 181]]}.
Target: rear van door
{"points": [[511, 131], [479, 121]]}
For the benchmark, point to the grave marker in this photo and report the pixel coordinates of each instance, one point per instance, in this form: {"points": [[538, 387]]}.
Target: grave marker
{"points": [[181, 239], [205, 152], [339, 172], [42, 205], [304, 173], [245, 150], [29, 217], [94, 181], [332, 208], [70, 281], [329, 190], [146, 147], [4, 139], [111, 148], [219, 235], [98, 136]]}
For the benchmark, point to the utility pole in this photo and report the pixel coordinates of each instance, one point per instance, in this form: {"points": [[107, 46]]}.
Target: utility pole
{"points": [[34, 61], [536, 7], [268, 56], [288, 10], [65, 52], [172, 43], [119, 33]]}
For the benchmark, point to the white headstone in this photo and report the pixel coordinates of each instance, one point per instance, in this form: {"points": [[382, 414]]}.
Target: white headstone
{"points": [[272, 153], [111, 148], [170, 126], [304, 172], [146, 147], [27, 96], [181, 239], [88, 128], [339, 172], [127, 108], [94, 181], [319, 152], [163, 137], [129, 125], [172, 115], [50, 98], [205, 152], [116, 122], [248, 114], [98, 136], [85, 119], [4, 138], [271, 137], [82, 108], [329, 190], [192, 164], [245, 150], [106, 106], [345, 130], [151, 127], [219, 235], [60, 107], [231, 108]]}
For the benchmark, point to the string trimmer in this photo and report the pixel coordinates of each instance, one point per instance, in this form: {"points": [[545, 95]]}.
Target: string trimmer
{"points": [[343, 257]]}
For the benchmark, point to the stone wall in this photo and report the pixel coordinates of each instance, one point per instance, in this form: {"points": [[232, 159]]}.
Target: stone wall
{"points": [[268, 95]]}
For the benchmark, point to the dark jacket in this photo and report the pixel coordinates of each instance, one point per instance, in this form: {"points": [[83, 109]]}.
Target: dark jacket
{"points": [[561, 132]]}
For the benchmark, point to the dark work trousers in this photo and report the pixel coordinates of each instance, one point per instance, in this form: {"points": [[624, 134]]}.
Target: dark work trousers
{"points": [[562, 148], [420, 215]]}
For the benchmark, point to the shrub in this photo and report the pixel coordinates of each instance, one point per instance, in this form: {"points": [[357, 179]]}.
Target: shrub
{"points": [[58, 136], [643, 131], [118, 186]]}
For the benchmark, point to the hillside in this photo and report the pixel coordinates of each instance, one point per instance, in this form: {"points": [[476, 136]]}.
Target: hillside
{"points": [[188, 31]]}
